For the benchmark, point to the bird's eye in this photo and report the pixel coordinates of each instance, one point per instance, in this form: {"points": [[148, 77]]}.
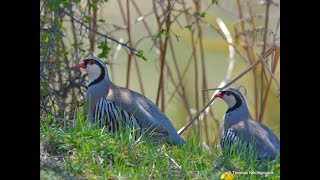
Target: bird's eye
{"points": [[91, 62], [228, 93]]}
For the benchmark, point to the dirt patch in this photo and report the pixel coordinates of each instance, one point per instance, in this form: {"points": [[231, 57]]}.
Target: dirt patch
{"points": [[46, 158]]}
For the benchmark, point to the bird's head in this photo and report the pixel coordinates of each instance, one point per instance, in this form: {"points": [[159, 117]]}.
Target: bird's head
{"points": [[95, 68], [233, 97], [91, 64]]}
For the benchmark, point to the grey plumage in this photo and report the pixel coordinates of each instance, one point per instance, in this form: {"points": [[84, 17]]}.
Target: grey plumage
{"points": [[146, 113], [239, 126]]}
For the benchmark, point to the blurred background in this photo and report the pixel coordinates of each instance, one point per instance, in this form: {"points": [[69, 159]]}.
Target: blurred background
{"points": [[171, 50]]}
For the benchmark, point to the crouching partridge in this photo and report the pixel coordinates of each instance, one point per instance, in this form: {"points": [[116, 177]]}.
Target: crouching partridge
{"points": [[239, 126], [107, 100]]}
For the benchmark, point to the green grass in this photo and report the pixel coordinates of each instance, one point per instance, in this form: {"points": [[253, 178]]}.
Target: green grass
{"points": [[87, 152]]}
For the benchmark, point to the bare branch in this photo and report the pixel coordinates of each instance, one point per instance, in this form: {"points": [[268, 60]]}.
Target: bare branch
{"points": [[99, 33], [270, 72], [231, 60]]}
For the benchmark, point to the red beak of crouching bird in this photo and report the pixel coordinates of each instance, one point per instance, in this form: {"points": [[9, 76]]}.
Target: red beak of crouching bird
{"points": [[112, 106], [239, 127]]}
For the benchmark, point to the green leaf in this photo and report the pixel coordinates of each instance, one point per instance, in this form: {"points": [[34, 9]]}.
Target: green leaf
{"points": [[44, 37], [85, 19], [214, 1], [76, 1], [53, 5], [162, 32], [43, 87], [94, 5], [58, 65], [64, 3], [58, 36], [203, 14], [103, 45], [42, 17], [102, 20], [188, 27], [59, 23], [177, 37], [141, 55]]}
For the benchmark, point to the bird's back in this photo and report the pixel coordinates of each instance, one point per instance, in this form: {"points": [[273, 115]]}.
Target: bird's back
{"points": [[146, 112], [266, 142], [252, 134]]}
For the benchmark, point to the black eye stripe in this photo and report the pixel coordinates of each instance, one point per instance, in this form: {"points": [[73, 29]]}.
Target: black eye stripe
{"points": [[86, 61], [229, 93]]}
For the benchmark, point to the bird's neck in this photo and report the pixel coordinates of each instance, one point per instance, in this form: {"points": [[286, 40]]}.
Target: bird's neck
{"points": [[234, 105], [94, 94], [101, 77], [238, 114]]}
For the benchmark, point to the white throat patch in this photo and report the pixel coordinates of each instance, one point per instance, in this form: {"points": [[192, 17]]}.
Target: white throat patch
{"points": [[230, 100], [93, 71]]}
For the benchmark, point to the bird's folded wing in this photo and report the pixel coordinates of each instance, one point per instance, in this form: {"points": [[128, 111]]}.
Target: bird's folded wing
{"points": [[147, 121], [156, 114], [252, 132], [143, 109]]}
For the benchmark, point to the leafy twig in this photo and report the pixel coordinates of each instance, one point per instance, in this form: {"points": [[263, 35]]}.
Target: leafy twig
{"points": [[162, 23], [101, 34]]}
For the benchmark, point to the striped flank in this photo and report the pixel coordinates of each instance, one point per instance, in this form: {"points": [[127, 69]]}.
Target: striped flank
{"points": [[109, 115], [231, 140]]}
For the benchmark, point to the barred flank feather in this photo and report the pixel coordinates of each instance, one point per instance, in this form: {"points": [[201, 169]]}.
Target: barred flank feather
{"points": [[230, 139], [112, 116]]}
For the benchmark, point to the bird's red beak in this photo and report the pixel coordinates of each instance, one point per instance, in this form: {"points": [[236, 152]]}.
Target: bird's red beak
{"points": [[219, 94], [81, 65]]}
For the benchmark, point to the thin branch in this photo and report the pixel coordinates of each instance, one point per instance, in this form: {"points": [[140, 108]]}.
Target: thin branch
{"points": [[183, 75], [271, 73], [142, 17], [204, 78], [275, 34], [223, 37], [162, 23], [266, 21], [139, 75], [230, 66], [114, 57], [183, 94], [246, 47], [163, 50], [130, 42], [42, 7], [276, 59], [95, 27], [99, 33], [196, 78]]}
